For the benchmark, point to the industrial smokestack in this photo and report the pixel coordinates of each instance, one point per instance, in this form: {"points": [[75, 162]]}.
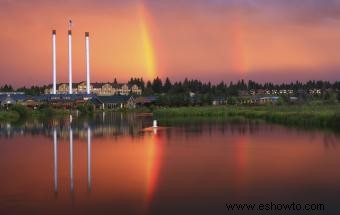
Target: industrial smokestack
{"points": [[87, 48], [70, 61], [54, 62]]}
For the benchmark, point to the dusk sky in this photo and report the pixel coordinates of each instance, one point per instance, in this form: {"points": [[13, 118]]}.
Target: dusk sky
{"points": [[210, 40]]}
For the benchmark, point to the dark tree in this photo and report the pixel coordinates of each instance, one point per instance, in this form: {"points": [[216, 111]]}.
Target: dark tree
{"points": [[6, 88], [157, 85], [167, 85]]}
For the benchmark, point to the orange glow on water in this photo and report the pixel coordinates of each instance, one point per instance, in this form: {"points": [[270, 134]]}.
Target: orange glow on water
{"points": [[241, 156], [150, 173], [154, 157]]}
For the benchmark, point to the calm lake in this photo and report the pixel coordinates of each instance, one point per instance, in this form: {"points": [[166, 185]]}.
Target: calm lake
{"points": [[117, 164]]}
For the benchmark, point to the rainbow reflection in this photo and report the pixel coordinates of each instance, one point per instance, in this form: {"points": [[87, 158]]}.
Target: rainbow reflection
{"points": [[154, 150]]}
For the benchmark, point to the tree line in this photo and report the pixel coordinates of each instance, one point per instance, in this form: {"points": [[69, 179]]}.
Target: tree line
{"points": [[196, 92], [158, 86]]}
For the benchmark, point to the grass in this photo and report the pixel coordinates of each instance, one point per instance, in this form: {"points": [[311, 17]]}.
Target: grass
{"points": [[326, 116], [9, 116], [18, 113]]}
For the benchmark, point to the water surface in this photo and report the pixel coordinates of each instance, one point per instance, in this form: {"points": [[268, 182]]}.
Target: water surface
{"points": [[111, 164]]}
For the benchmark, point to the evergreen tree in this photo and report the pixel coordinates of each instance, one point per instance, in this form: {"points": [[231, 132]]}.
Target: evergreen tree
{"points": [[167, 85], [6, 88], [157, 85]]}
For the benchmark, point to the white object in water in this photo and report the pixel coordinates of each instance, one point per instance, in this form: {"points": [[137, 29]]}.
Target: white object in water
{"points": [[155, 124]]}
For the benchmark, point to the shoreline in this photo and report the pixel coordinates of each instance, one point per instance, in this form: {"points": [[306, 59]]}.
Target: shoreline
{"points": [[317, 116], [21, 113], [323, 116]]}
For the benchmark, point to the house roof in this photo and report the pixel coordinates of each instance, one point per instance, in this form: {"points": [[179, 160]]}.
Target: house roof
{"points": [[15, 97], [144, 100], [96, 101], [116, 99], [151, 98], [58, 97], [97, 85], [8, 100], [12, 93], [270, 97]]}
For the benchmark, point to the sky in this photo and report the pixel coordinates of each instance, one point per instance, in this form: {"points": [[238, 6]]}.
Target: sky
{"points": [[210, 40]]}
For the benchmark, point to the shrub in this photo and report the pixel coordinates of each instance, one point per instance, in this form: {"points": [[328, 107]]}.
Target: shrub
{"points": [[21, 110], [85, 109], [48, 112], [11, 116]]}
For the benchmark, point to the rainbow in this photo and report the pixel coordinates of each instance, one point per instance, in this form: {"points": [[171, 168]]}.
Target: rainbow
{"points": [[147, 40], [240, 62]]}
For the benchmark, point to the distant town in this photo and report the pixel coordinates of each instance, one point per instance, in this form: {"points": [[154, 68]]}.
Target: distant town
{"points": [[164, 93]]}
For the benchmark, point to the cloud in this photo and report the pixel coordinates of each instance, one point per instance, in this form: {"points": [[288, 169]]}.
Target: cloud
{"points": [[300, 11]]}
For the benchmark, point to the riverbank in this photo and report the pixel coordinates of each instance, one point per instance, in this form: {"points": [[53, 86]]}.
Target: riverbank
{"points": [[326, 116], [19, 113], [318, 116], [9, 116]]}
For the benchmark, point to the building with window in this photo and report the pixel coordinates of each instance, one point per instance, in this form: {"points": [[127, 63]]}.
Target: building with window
{"points": [[100, 89]]}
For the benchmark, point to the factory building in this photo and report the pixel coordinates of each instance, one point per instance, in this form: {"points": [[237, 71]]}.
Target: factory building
{"points": [[86, 87], [100, 89]]}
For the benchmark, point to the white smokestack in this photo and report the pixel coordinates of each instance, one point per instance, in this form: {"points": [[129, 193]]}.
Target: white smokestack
{"points": [[87, 47], [54, 64], [70, 61]]}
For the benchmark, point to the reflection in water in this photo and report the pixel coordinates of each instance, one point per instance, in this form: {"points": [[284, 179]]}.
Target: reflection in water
{"points": [[71, 161], [71, 147], [89, 184], [108, 125], [241, 155], [110, 164], [105, 125], [154, 158], [55, 159]]}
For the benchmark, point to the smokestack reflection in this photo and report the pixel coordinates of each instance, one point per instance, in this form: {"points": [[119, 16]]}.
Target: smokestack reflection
{"points": [[55, 159], [89, 181], [71, 161], [71, 148]]}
